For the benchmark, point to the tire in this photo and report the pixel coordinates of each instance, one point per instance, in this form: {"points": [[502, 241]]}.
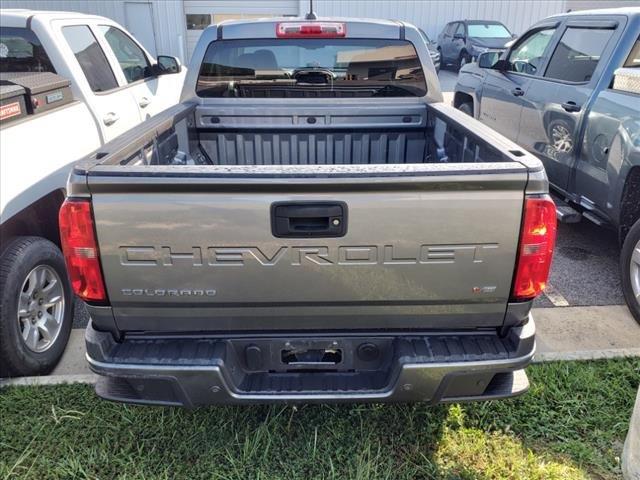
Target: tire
{"points": [[463, 59], [466, 107], [630, 269], [33, 278]]}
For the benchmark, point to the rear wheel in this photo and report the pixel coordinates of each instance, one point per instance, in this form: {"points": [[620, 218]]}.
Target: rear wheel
{"points": [[560, 134], [630, 266], [36, 307]]}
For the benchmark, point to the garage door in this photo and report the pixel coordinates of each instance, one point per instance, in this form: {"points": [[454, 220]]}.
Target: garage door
{"points": [[202, 13]]}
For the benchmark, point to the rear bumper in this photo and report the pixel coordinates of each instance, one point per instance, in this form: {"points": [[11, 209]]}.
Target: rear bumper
{"points": [[189, 371]]}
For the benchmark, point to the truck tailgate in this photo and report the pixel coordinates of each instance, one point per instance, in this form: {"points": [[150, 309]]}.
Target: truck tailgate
{"points": [[423, 247]]}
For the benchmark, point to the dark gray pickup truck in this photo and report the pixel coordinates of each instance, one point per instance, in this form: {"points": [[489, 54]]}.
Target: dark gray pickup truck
{"points": [[311, 224], [568, 91]]}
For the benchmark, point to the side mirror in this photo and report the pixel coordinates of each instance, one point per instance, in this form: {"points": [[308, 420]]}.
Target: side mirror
{"points": [[488, 59], [458, 36], [167, 65], [502, 66]]}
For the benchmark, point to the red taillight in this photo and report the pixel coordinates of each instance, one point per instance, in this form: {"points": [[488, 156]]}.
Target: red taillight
{"points": [[311, 30], [81, 250], [537, 239]]}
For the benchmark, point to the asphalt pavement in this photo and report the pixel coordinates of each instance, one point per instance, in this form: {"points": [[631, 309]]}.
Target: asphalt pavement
{"points": [[585, 268]]}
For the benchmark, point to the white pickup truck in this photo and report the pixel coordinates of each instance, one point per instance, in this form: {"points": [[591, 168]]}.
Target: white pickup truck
{"points": [[115, 85]]}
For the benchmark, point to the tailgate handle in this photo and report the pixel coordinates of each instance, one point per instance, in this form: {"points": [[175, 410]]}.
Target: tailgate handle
{"points": [[309, 219]]}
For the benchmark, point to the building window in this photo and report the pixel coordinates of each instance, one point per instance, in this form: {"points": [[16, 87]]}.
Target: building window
{"points": [[221, 17], [198, 21]]}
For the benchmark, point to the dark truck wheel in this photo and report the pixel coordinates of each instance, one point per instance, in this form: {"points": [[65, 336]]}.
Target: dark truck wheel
{"points": [[36, 307], [630, 266], [463, 59]]}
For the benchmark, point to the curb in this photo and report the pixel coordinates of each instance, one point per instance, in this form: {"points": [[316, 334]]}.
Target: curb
{"points": [[48, 380], [586, 355]]}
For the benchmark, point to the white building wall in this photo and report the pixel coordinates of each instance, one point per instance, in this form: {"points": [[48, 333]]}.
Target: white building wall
{"points": [[168, 18], [432, 15], [596, 4]]}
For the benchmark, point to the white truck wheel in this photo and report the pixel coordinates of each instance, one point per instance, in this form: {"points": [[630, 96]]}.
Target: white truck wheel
{"points": [[36, 307]]}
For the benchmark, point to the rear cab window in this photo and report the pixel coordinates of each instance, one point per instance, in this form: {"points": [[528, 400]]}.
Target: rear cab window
{"points": [[633, 61], [627, 79], [21, 51], [577, 54], [91, 58], [308, 68]]}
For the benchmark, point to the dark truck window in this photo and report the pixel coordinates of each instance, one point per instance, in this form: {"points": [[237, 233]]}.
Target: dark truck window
{"points": [[21, 51], [91, 58], [311, 68], [634, 56], [577, 54]]}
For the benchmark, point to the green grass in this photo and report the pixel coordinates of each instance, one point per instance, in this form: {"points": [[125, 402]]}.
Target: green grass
{"points": [[571, 425]]}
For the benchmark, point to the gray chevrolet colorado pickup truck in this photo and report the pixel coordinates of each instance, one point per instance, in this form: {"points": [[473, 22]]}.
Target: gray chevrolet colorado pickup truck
{"points": [[311, 224]]}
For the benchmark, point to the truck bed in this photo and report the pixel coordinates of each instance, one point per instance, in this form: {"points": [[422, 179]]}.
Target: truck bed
{"points": [[341, 134]]}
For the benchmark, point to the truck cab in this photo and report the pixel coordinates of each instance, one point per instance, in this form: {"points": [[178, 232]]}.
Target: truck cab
{"points": [[565, 92]]}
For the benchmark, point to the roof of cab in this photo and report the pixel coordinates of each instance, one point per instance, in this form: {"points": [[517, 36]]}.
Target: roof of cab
{"points": [[628, 11], [22, 15], [266, 27], [266, 19]]}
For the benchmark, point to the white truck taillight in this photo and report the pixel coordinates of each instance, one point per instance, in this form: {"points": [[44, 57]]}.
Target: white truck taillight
{"points": [[311, 30], [80, 248], [535, 250]]}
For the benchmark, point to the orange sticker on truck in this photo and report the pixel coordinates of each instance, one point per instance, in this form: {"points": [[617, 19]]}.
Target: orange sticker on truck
{"points": [[10, 110]]}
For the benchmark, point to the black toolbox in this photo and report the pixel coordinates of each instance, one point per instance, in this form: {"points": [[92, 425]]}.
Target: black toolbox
{"points": [[40, 92]]}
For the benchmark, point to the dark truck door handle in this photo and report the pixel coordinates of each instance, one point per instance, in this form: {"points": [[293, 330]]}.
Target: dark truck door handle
{"points": [[518, 92], [571, 107], [309, 219]]}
